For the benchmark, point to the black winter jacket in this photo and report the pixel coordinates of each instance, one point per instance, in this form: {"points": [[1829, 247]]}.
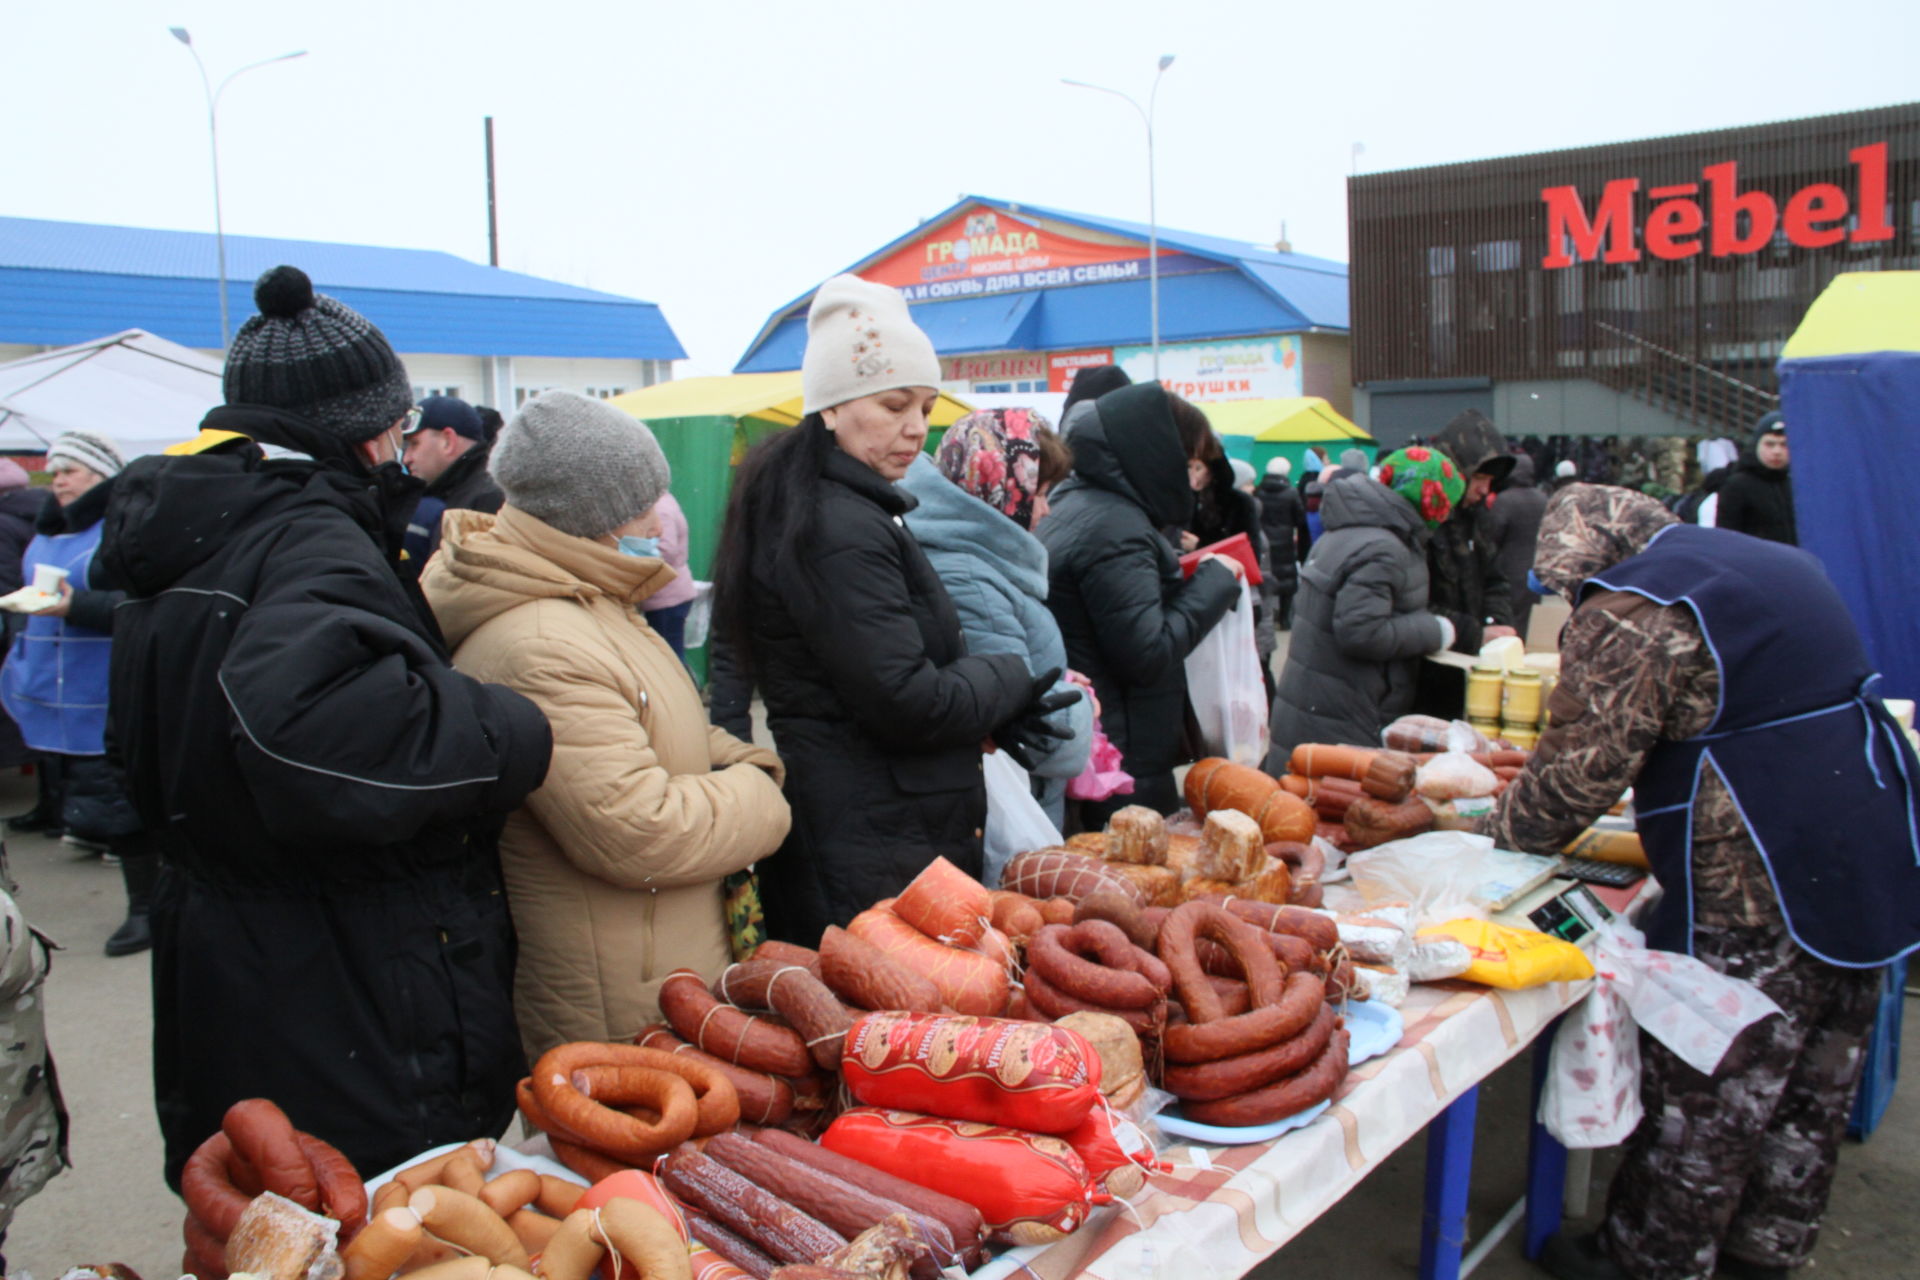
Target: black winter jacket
{"points": [[325, 790], [1114, 584], [464, 486], [1758, 500], [1283, 514], [876, 708], [19, 509], [1512, 522], [1467, 587], [1360, 622]]}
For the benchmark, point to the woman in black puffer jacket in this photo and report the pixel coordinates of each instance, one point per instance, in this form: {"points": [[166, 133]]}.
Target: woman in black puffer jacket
{"points": [[1127, 615], [825, 598]]}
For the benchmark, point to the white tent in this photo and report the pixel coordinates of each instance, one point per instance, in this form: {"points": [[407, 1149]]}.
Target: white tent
{"points": [[143, 391]]}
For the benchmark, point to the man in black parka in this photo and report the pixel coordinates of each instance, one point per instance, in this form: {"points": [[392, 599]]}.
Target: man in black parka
{"points": [[325, 790], [1757, 498], [1128, 617], [1283, 514]]}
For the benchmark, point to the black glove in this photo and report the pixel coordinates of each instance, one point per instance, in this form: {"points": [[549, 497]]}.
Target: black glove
{"points": [[1029, 732]]}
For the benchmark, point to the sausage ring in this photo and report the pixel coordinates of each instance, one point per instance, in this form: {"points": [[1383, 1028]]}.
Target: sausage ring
{"points": [[1192, 921], [1285, 1097], [618, 1133], [764, 1099], [1054, 1004], [1263, 1025], [728, 1033], [262, 1134], [717, 1101], [1211, 1081], [1093, 961]]}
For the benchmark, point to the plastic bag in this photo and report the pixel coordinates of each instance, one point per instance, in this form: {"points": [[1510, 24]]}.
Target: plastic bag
{"points": [[1454, 775], [1430, 733], [1592, 1094], [1105, 775], [1015, 820], [1440, 873], [700, 617], [1223, 683], [1514, 959]]}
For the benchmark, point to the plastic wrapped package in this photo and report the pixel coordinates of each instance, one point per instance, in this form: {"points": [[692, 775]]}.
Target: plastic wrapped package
{"points": [[1388, 987], [1423, 734], [1454, 775]]}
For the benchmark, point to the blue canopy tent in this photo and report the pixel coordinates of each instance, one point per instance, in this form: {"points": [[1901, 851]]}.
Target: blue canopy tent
{"points": [[1850, 394]]}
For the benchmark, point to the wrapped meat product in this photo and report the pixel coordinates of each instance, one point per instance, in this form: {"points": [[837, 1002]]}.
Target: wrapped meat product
{"points": [[1231, 847], [1453, 775], [1137, 834]]}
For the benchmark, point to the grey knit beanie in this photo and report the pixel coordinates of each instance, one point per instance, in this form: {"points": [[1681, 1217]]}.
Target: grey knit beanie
{"points": [[578, 464], [97, 453], [315, 356]]}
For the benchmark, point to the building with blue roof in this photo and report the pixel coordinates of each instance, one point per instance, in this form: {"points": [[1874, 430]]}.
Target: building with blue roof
{"points": [[1017, 297], [486, 335]]}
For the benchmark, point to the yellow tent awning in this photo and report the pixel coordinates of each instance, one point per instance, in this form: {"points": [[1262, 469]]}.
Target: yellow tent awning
{"points": [[770, 397], [1293, 420], [1859, 313]]}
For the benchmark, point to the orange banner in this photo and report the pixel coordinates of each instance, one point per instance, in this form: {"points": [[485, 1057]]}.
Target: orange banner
{"points": [[987, 251]]}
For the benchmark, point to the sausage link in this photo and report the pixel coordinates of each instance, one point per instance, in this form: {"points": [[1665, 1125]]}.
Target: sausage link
{"points": [[745, 1256], [466, 1223], [1093, 961], [379, 1251], [1054, 1004], [261, 1132], [343, 1196], [841, 1205], [764, 1099], [763, 1219], [868, 978], [963, 1222], [206, 1255], [728, 1033], [208, 1189], [1195, 920], [789, 953], [615, 1133], [796, 995]]}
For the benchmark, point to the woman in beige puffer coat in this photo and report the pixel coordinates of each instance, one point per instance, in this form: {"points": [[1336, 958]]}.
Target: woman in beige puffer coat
{"points": [[613, 867]]}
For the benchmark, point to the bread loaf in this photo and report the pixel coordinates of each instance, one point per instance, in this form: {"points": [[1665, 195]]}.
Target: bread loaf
{"points": [[1138, 835]]}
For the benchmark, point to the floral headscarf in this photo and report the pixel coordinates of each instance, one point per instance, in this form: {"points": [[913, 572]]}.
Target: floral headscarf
{"points": [[993, 456], [1427, 478]]}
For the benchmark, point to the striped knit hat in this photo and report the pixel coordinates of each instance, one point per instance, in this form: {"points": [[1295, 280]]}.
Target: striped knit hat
{"points": [[97, 453], [315, 356]]}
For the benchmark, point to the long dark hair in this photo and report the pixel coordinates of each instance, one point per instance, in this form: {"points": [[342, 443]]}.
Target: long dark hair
{"points": [[771, 515]]}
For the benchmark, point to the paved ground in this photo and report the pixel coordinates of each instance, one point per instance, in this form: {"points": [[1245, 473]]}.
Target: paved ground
{"points": [[112, 1206]]}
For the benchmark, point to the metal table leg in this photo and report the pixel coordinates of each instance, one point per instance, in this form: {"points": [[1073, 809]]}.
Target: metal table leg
{"points": [[1546, 1158], [1443, 1222]]}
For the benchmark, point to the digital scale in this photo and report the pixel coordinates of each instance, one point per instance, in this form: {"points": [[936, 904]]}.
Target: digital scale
{"points": [[1565, 909]]}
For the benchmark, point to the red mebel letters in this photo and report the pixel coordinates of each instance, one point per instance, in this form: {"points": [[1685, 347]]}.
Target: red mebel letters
{"points": [[1679, 224]]}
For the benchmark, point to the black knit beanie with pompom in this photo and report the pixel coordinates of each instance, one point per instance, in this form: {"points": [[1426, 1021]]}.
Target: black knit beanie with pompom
{"points": [[315, 356]]}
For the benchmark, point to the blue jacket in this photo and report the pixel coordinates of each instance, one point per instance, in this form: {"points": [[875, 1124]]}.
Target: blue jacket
{"points": [[54, 683], [996, 573]]}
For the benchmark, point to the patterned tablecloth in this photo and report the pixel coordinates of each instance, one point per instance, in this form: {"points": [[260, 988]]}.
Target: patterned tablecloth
{"points": [[1224, 1209]]}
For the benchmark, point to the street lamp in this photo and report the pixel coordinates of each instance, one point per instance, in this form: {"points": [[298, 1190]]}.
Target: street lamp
{"points": [[1153, 212], [213, 136]]}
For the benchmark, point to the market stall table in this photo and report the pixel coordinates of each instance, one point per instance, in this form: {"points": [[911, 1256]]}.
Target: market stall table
{"points": [[1224, 1209]]}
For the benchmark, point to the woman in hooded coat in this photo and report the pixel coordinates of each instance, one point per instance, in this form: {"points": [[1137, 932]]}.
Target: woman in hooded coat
{"points": [[1361, 625], [980, 498], [1128, 616]]}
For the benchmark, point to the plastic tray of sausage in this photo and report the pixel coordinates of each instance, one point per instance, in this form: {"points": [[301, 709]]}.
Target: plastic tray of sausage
{"points": [[1375, 1028]]}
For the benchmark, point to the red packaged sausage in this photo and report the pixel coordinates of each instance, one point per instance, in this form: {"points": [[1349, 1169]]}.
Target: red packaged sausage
{"points": [[1032, 1188], [995, 1071]]}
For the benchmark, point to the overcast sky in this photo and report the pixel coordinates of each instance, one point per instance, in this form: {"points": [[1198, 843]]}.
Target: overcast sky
{"points": [[721, 158]]}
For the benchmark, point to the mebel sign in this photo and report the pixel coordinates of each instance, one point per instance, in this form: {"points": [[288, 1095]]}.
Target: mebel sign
{"points": [[1732, 221]]}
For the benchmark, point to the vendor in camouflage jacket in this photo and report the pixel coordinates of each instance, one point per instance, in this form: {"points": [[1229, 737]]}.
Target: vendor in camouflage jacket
{"points": [[1732, 1169]]}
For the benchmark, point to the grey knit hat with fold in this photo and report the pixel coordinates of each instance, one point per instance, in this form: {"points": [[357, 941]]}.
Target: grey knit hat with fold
{"points": [[316, 356], [578, 464]]}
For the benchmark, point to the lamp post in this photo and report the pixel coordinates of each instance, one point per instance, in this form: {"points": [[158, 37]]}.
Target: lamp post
{"points": [[1153, 212], [213, 136]]}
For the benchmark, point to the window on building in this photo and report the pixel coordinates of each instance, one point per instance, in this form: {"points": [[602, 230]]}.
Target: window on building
{"points": [[523, 394], [992, 388], [605, 393], [421, 393]]}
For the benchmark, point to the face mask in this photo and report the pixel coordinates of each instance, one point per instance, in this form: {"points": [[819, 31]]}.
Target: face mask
{"points": [[400, 453], [1536, 586], [639, 546]]}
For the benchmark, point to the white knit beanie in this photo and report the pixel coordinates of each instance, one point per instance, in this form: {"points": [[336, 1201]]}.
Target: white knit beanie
{"points": [[97, 453], [1279, 466], [579, 464], [861, 340]]}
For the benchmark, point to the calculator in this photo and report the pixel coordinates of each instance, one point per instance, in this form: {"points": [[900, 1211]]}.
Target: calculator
{"points": [[1617, 875]]}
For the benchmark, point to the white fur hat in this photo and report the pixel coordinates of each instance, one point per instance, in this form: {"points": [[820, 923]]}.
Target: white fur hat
{"points": [[1279, 466], [861, 340]]}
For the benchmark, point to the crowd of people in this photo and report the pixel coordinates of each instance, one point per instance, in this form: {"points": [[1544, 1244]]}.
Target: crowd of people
{"points": [[382, 706]]}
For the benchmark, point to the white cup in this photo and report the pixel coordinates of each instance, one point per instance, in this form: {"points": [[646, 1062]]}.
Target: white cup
{"points": [[48, 578]]}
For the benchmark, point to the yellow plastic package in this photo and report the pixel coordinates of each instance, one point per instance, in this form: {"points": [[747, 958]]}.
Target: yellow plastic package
{"points": [[1513, 958]]}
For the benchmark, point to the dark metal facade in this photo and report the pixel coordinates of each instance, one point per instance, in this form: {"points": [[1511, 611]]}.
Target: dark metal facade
{"points": [[1449, 277]]}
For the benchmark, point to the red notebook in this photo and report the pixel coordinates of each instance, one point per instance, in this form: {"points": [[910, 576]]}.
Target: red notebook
{"points": [[1237, 547]]}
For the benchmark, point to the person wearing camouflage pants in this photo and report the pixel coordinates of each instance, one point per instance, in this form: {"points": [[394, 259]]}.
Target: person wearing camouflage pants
{"points": [[1730, 1170], [33, 1119]]}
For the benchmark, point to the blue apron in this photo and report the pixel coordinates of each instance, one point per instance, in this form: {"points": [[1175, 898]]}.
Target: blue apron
{"points": [[1822, 776], [54, 683]]}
